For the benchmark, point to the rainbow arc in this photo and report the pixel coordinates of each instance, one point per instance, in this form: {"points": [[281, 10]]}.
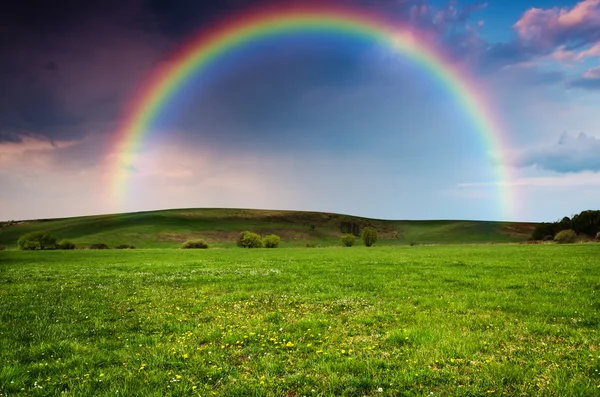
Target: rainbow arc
{"points": [[210, 45]]}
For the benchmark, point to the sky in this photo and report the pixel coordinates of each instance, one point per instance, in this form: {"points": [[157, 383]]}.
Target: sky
{"points": [[319, 123]]}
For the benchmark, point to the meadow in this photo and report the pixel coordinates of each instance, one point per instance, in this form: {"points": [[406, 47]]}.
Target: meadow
{"points": [[453, 320], [220, 227]]}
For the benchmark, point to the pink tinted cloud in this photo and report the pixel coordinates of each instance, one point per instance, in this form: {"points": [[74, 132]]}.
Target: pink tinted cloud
{"points": [[546, 29], [593, 73], [586, 11], [33, 156], [562, 54], [589, 80], [31, 152]]}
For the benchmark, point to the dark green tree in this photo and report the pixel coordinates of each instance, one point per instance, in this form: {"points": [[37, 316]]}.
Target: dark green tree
{"points": [[587, 222], [544, 229]]}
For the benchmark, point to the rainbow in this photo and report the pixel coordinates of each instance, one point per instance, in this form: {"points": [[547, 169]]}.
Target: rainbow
{"points": [[206, 48]]}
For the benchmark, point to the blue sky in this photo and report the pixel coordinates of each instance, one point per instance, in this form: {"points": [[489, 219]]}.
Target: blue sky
{"points": [[320, 123]]}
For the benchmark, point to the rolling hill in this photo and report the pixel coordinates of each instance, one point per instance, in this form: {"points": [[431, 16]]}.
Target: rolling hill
{"points": [[221, 227]]}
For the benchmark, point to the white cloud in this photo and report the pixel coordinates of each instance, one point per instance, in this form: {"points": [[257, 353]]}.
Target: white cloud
{"points": [[572, 153], [580, 180]]}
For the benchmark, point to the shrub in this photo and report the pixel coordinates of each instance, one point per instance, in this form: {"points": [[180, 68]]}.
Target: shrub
{"points": [[565, 237], [598, 236], [194, 244], [542, 230], [65, 245], [369, 236], [249, 240], [348, 240], [124, 246], [271, 241], [549, 237], [37, 240], [98, 246]]}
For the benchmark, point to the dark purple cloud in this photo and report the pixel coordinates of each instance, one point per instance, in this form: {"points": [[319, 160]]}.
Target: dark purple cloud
{"points": [[68, 64]]}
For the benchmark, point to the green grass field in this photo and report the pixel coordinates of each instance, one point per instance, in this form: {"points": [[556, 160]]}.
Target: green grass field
{"points": [[466, 320], [221, 227]]}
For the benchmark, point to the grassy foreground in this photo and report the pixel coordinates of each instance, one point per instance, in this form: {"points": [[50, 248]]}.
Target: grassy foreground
{"points": [[424, 320]]}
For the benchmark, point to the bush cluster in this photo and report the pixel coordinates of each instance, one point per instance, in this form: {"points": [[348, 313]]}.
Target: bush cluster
{"points": [[271, 241], [40, 239], [566, 237], [98, 246], [65, 245], [348, 240], [125, 246], [369, 236], [249, 240], [194, 244]]}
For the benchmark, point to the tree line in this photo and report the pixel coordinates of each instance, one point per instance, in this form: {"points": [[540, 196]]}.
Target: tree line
{"points": [[585, 223]]}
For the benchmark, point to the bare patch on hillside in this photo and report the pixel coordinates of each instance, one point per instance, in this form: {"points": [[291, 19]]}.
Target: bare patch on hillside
{"points": [[518, 229], [302, 225], [219, 236]]}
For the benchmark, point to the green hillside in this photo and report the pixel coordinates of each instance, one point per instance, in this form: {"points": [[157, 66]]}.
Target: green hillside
{"points": [[221, 227]]}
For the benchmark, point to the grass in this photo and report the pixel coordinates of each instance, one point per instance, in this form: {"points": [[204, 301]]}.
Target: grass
{"points": [[466, 320], [221, 227]]}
